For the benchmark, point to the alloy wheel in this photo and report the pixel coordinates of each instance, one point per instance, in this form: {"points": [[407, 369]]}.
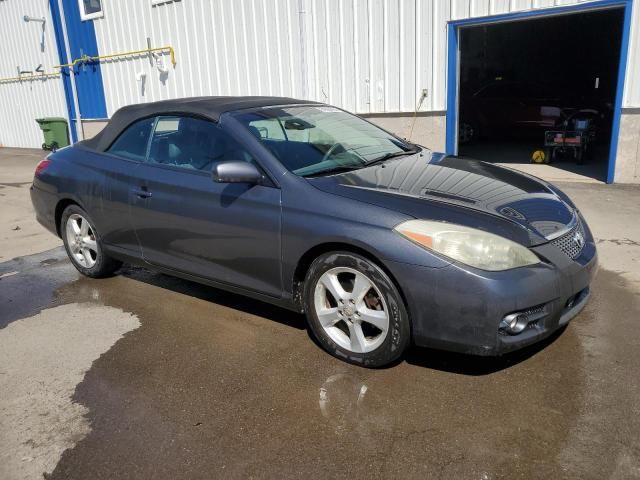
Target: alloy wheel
{"points": [[351, 309], [81, 240]]}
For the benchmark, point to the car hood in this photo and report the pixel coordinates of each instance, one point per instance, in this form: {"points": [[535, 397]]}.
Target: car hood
{"points": [[460, 190]]}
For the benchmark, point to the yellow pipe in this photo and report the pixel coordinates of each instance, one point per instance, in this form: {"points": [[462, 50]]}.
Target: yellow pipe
{"points": [[87, 58], [29, 78]]}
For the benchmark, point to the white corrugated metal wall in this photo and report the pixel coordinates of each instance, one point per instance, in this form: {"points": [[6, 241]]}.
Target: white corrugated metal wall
{"points": [[632, 80], [368, 56], [22, 46], [226, 47]]}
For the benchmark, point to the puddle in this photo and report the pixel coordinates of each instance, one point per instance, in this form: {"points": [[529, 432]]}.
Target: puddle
{"points": [[213, 384]]}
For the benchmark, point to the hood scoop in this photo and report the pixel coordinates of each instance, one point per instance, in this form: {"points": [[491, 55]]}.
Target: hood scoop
{"points": [[447, 196]]}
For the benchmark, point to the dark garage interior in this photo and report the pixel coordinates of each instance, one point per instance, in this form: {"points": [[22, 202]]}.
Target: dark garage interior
{"points": [[542, 84]]}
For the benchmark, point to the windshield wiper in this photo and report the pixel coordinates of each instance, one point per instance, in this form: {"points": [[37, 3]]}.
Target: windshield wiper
{"points": [[338, 169], [387, 156]]}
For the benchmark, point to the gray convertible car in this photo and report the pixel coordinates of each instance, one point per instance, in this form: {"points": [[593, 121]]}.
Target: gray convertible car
{"points": [[378, 241]]}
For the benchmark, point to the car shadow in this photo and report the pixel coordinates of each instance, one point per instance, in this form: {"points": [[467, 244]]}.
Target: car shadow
{"points": [[474, 365], [216, 295], [451, 362]]}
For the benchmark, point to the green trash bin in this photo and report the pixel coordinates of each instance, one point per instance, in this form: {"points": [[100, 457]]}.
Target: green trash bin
{"points": [[56, 132]]}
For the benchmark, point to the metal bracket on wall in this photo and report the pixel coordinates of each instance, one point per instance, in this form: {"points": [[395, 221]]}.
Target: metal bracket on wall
{"points": [[29, 76], [133, 53], [151, 54]]}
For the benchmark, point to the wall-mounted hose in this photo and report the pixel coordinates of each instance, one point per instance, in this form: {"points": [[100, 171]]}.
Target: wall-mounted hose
{"points": [[423, 95], [97, 58]]}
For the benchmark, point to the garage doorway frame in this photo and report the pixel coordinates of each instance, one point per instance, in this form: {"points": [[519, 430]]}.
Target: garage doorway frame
{"points": [[453, 63]]}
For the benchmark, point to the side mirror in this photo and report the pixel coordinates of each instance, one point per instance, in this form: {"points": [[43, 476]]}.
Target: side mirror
{"points": [[236, 172]]}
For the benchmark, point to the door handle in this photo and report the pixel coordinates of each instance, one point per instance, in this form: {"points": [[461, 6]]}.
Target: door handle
{"points": [[141, 192]]}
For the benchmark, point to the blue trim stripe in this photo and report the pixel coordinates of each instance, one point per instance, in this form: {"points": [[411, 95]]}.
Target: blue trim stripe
{"points": [[62, 57], [452, 90], [453, 29], [542, 12], [617, 115]]}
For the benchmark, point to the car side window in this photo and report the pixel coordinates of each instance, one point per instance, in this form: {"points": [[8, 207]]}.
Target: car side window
{"points": [[132, 143], [193, 143]]}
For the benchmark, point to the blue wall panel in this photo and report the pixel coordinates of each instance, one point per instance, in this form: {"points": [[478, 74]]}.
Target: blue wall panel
{"points": [[82, 41]]}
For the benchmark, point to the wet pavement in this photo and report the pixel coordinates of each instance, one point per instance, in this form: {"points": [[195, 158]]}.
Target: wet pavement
{"points": [[147, 376], [214, 385]]}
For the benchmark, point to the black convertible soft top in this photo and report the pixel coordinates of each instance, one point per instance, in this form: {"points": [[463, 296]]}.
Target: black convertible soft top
{"points": [[208, 107]]}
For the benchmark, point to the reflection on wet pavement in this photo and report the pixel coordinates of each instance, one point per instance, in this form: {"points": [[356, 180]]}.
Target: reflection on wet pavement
{"points": [[213, 384]]}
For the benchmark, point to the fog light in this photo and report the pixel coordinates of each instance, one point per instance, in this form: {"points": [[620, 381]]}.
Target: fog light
{"points": [[514, 323], [518, 322]]}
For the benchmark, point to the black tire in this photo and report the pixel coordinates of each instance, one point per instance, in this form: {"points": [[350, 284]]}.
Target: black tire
{"points": [[104, 265], [468, 132], [548, 156], [578, 154], [398, 334]]}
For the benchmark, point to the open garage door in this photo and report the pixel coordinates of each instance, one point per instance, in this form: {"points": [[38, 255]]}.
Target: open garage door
{"points": [[545, 84]]}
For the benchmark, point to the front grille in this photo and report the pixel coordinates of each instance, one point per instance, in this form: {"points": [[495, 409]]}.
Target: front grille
{"points": [[532, 325], [572, 242], [534, 311]]}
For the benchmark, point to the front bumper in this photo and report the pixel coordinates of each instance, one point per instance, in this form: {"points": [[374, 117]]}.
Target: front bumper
{"points": [[459, 308]]}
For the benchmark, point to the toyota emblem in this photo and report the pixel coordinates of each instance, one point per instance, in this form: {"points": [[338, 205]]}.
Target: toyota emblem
{"points": [[578, 239]]}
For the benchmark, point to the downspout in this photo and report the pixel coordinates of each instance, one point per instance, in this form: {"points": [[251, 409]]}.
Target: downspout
{"points": [[303, 55], [74, 92]]}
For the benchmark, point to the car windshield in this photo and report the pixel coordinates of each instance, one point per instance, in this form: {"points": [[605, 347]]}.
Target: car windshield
{"points": [[318, 139]]}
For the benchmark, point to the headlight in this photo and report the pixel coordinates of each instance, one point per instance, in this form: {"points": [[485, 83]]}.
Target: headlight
{"points": [[467, 245]]}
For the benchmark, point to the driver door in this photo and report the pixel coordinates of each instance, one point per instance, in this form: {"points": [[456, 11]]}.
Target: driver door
{"points": [[185, 221]]}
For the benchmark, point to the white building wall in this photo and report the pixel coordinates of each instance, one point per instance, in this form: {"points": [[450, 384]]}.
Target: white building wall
{"points": [[223, 47], [368, 56], [632, 79], [24, 44]]}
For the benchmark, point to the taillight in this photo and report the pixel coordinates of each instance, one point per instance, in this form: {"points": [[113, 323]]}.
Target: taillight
{"points": [[41, 166]]}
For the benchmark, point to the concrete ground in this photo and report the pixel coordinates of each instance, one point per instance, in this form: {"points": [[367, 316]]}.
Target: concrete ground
{"points": [[517, 154], [20, 234], [147, 376]]}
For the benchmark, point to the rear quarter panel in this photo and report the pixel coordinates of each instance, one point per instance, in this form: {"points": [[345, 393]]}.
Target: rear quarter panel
{"points": [[98, 183]]}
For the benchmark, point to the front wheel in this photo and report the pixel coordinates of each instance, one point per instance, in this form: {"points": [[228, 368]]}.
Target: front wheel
{"points": [[83, 244], [355, 310]]}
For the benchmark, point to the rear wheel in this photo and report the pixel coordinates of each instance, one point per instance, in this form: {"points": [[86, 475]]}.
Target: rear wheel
{"points": [[355, 311], [83, 244]]}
